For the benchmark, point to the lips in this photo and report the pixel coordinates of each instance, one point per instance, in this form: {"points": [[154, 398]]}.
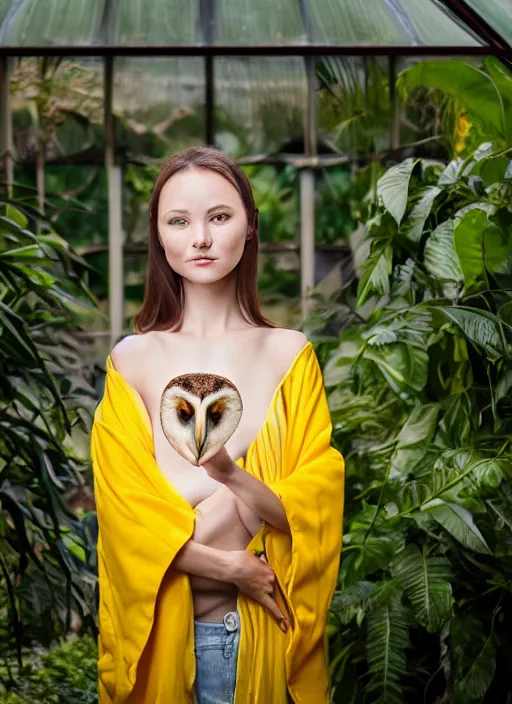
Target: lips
{"points": [[202, 259]]}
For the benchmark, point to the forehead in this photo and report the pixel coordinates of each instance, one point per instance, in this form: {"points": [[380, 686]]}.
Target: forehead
{"points": [[193, 188]]}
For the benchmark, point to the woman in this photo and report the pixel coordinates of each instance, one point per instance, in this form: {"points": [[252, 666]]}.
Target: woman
{"points": [[214, 580]]}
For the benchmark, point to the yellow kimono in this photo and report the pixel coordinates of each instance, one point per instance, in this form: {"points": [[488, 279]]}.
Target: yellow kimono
{"points": [[146, 619]]}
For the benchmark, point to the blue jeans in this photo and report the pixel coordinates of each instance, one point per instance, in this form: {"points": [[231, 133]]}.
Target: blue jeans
{"points": [[216, 649]]}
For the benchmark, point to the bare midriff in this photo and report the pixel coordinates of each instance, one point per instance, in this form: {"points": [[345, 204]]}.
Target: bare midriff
{"points": [[219, 525]]}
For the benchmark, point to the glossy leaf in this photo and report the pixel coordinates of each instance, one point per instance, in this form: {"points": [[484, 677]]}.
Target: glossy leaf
{"points": [[393, 188], [458, 522], [468, 241], [440, 257]]}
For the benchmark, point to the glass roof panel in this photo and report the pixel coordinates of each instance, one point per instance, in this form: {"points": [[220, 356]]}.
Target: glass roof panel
{"points": [[266, 22], [259, 103], [5, 6], [156, 23], [386, 22], [497, 13], [241, 23], [51, 23]]}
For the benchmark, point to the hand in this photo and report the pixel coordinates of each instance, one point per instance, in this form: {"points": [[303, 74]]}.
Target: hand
{"points": [[255, 577], [219, 465]]}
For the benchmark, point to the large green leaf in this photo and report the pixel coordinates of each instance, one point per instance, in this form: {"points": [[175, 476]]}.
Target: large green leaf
{"points": [[426, 581], [412, 442], [482, 328], [403, 366], [476, 89], [393, 188], [440, 257], [497, 246], [468, 240], [475, 683], [376, 273], [459, 522], [421, 211]]}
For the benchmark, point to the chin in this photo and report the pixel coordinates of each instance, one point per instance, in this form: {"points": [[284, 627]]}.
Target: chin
{"points": [[206, 275]]}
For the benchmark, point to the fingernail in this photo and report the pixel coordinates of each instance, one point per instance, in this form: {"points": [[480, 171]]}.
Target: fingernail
{"points": [[284, 625]]}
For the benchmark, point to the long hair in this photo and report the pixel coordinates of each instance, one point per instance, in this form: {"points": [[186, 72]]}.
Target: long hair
{"points": [[163, 305]]}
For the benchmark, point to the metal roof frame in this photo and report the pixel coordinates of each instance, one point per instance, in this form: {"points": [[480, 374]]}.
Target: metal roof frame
{"points": [[494, 43]]}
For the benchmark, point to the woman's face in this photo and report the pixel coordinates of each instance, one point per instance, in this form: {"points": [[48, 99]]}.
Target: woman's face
{"points": [[201, 213]]}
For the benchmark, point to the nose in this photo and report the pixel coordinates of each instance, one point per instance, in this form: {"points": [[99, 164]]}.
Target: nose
{"points": [[201, 235]]}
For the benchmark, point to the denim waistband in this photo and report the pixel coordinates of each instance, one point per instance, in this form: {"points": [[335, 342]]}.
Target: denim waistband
{"points": [[230, 623]]}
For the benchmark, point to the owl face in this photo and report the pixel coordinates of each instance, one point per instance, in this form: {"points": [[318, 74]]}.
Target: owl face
{"points": [[199, 413]]}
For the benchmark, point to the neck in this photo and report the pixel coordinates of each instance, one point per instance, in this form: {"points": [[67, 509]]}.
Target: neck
{"points": [[212, 310]]}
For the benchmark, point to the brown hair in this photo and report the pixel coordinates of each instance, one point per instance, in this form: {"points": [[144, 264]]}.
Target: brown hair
{"points": [[163, 304]]}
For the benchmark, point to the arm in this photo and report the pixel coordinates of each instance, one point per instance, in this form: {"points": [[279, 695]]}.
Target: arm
{"points": [[252, 491], [203, 561]]}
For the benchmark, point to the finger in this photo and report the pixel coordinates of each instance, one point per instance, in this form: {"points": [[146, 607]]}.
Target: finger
{"points": [[269, 603], [263, 558]]}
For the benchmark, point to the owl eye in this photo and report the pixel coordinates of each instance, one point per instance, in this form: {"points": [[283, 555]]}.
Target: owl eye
{"points": [[185, 413], [215, 414]]}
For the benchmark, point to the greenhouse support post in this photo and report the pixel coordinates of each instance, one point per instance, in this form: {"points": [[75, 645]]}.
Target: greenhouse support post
{"points": [[115, 214], [394, 135], [6, 122], [307, 194]]}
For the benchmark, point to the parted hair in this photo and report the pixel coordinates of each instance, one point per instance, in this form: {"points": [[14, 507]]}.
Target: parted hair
{"points": [[163, 305]]}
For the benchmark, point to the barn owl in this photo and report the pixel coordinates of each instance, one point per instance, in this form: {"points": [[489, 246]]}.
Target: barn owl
{"points": [[199, 413]]}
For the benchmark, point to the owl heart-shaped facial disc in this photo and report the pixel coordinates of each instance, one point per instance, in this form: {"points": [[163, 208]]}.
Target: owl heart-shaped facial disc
{"points": [[199, 413]]}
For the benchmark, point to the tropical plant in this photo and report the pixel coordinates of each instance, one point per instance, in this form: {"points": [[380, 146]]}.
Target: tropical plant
{"points": [[46, 403], [66, 674], [419, 381], [475, 101]]}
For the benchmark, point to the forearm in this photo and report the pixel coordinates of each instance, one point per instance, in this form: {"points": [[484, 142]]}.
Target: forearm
{"points": [[203, 561], [258, 497]]}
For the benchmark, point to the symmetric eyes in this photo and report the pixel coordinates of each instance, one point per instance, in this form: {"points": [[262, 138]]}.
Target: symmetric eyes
{"points": [[185, 411]]}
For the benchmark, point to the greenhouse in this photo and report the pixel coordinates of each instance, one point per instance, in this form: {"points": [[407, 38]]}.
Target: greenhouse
{"points": [[377, 137]]}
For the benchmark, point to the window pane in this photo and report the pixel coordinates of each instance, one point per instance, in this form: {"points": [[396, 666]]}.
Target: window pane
{"points": [[260, 103], [52, 23], [245, 22], [161, 104], [155, 23], [387, 22], [498, 13]]}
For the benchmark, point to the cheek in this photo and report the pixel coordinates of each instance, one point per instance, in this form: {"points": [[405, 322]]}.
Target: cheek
{"points": [[231, 241], [173, 246]]}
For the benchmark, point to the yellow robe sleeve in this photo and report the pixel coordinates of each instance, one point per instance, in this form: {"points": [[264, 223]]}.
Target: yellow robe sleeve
{"points": [[142, 523], [311, 488], [146, 647]]}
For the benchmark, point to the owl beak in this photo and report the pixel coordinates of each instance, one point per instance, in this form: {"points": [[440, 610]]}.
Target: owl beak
{"points": [[200, 436]]}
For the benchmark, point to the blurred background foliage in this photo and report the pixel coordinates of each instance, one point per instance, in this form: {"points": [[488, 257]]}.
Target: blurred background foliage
{"points": [[413, 336]]}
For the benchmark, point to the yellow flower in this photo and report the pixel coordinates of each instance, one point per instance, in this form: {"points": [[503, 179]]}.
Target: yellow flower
{"points": [[462, 127]]}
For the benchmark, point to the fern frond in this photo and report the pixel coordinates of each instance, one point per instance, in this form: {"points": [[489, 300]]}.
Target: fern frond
{"points": [[426, 581], [387, 639]]}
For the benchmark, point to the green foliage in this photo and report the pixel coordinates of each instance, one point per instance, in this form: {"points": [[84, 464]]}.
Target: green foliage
{"points": [[66, 674], [46, 404], [419, 388], [485, 95]]}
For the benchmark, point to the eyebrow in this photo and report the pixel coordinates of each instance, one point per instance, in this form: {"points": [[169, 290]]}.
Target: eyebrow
{"points": [[186, 212]]}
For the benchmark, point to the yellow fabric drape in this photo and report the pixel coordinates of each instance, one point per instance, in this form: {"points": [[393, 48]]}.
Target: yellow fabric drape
{"points": [[146, 644]]}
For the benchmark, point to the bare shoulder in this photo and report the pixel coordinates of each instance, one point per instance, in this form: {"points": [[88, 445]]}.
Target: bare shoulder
{"points": [[287, 343], [130, 354]]}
